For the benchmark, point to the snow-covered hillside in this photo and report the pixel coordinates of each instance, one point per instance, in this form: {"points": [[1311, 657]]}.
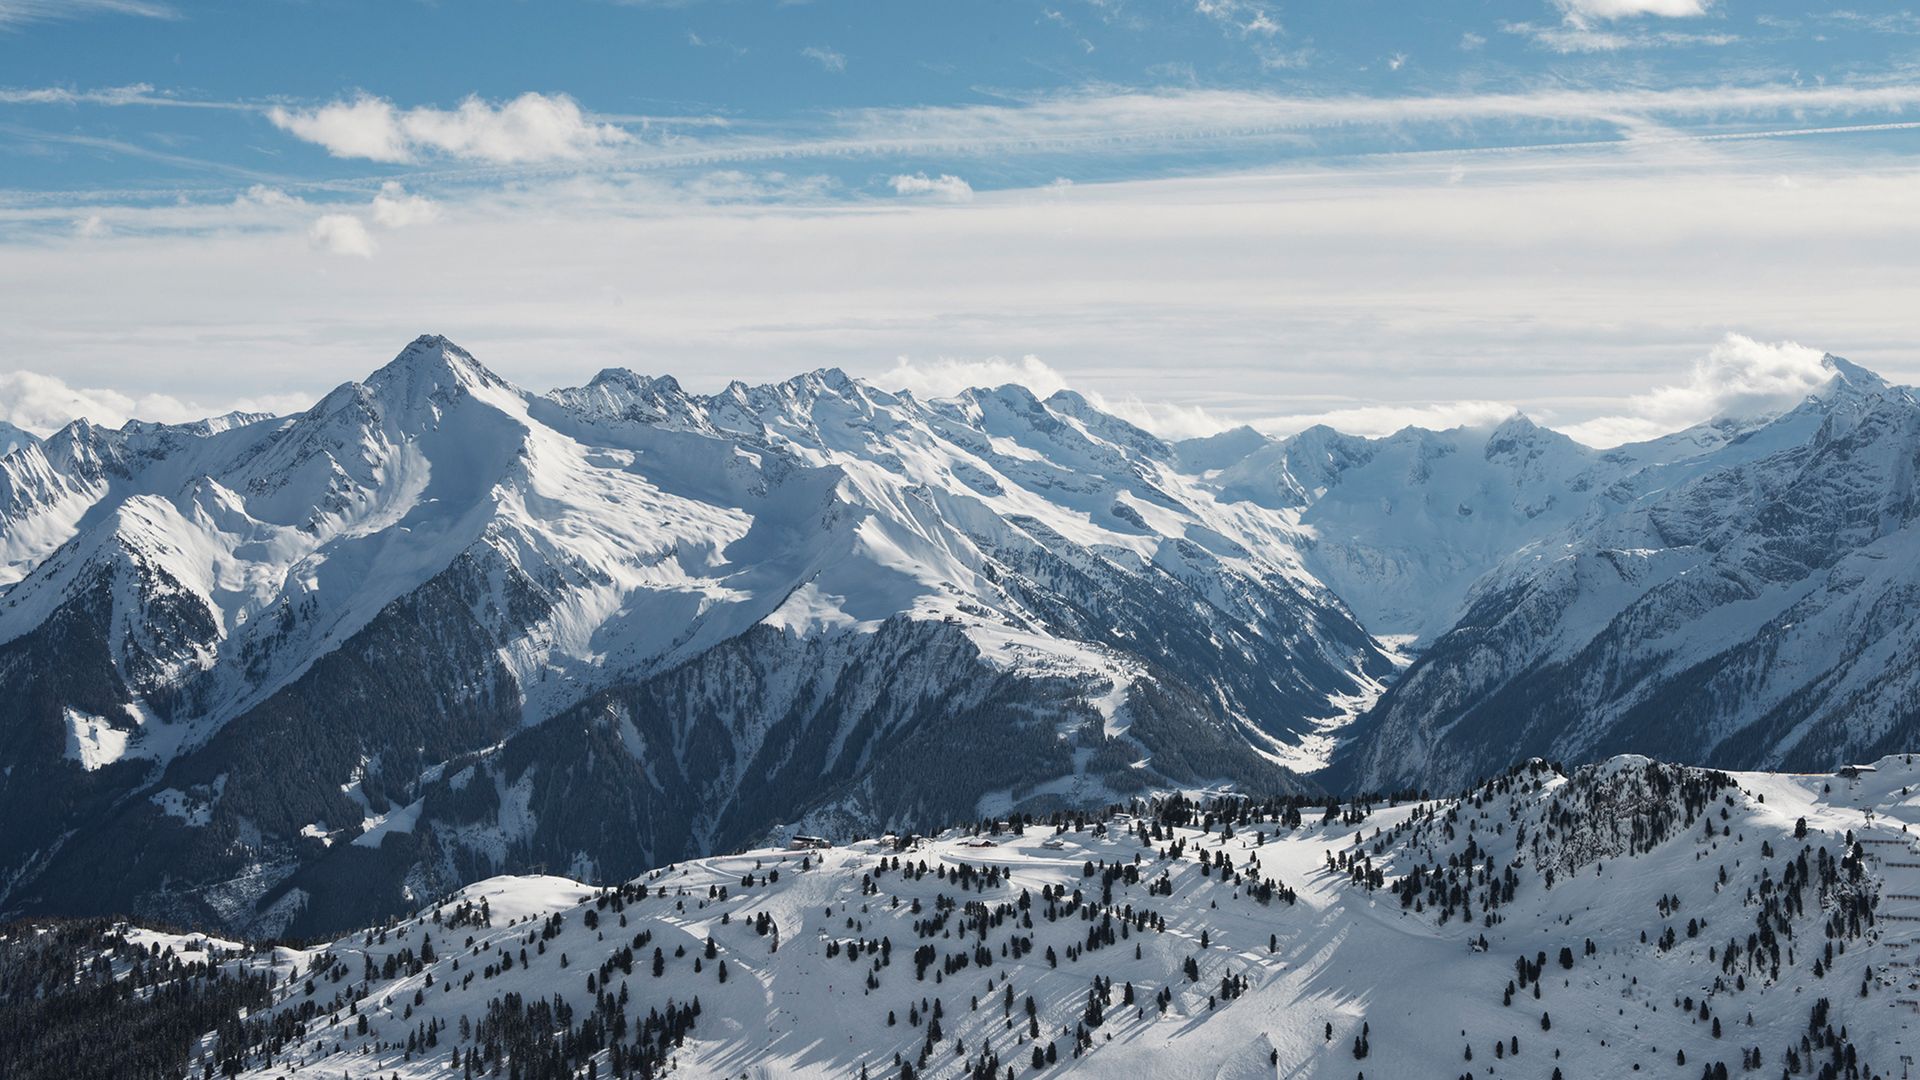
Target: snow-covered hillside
{"points": [[1631, 917]]}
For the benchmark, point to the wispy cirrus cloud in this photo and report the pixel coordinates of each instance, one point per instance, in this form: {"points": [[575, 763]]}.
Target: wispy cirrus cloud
{"points": [[130, 94], [1246, 17], [533, 127], [1583, 38], [537, 130], [1904, 22], [1093, 122], [828, 59], [15, 12]]}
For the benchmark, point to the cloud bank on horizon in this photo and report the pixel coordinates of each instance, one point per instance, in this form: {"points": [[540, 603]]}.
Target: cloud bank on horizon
{"points": [[1738, 378], [1200, 216]]}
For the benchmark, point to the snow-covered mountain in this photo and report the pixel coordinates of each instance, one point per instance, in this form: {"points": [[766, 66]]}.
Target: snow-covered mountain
{"points": [[1756, 604], [1400, 527], [306, 667], [1627, 918], [287, 674]]}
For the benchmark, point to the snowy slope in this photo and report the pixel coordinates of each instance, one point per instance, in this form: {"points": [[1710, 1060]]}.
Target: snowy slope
{"points": [[1629, 918]]}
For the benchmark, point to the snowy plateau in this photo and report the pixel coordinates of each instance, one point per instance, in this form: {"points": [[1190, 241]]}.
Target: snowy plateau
{"points": [[1626, 918]]}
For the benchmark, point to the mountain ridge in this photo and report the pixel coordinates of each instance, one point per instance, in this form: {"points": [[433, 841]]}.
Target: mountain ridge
{"points": [[459, 613], [521, 556]]}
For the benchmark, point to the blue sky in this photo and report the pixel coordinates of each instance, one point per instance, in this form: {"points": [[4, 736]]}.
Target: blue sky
{"points": [[1206, 213]]}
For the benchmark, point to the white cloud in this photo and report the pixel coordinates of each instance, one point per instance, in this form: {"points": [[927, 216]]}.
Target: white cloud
{"points": [[1580, 36], [945, 377], [1378, 420], [1094, 122], [535, 128], [1581, 31], [1248, 18], [1882, 22], [131, 94], [43, 404], [1559, 285], [367, 127], [532, 127], [1167, 420], [262, 197], [91, 226], [1739, 378], [395, 208], [342, 234], [1625, 9], [737, 186], [827, 58], [944, 186], [23, 11]]}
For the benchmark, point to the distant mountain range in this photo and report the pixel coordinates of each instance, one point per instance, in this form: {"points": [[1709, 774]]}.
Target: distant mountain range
{"points": [[291, 674]]}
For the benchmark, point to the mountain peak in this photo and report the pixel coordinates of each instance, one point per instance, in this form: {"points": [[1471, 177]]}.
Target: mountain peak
{"points": [[430, 363], [1848, 375], [632, 381], [807, 386], [834, 377], [1516, 423]]}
